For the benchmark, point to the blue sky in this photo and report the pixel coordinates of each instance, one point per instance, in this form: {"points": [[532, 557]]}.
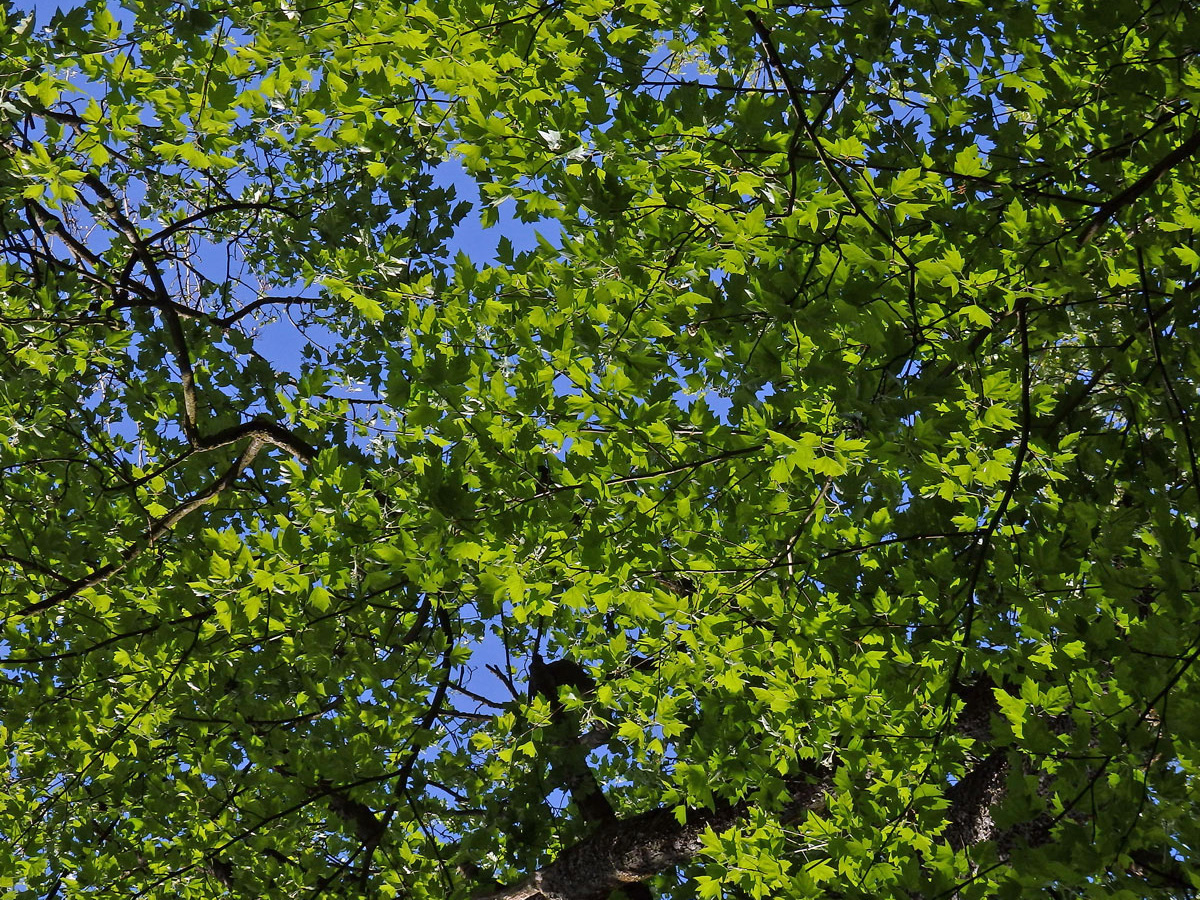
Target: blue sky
{"points": [[281, 342]]}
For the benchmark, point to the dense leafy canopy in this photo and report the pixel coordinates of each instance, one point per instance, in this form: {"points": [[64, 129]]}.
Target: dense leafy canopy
{"points": [[811, 510]]}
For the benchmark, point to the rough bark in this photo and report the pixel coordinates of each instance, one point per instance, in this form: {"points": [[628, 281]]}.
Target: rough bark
{"points": [[971, 801], [569, 767], [627, 852], [632, 850]]}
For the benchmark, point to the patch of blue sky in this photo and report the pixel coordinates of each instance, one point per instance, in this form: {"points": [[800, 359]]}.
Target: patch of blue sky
{"points": [[480, 244]]}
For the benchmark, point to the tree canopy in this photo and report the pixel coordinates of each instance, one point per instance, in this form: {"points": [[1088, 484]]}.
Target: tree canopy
{"points": [[801, 502]]}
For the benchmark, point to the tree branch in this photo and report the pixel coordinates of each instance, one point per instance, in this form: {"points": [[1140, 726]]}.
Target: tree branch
{"points": [[631, 850], [1185, 150], [157, 529]]}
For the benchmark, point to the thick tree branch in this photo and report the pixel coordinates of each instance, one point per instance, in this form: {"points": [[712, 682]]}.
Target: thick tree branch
{"points": [[569, 765], [632, 850], [972, 798], [1184, 151], [628, 851]]}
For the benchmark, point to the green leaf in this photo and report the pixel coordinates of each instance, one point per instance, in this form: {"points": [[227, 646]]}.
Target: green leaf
{"points": [[1013, 709]]}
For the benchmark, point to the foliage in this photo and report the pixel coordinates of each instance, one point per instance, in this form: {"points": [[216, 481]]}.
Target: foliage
{"points": [[839, 424]]}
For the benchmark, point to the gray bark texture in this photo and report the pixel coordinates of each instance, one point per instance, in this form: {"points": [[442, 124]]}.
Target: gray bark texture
{"points": [[624, 853], [629, 851]]}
